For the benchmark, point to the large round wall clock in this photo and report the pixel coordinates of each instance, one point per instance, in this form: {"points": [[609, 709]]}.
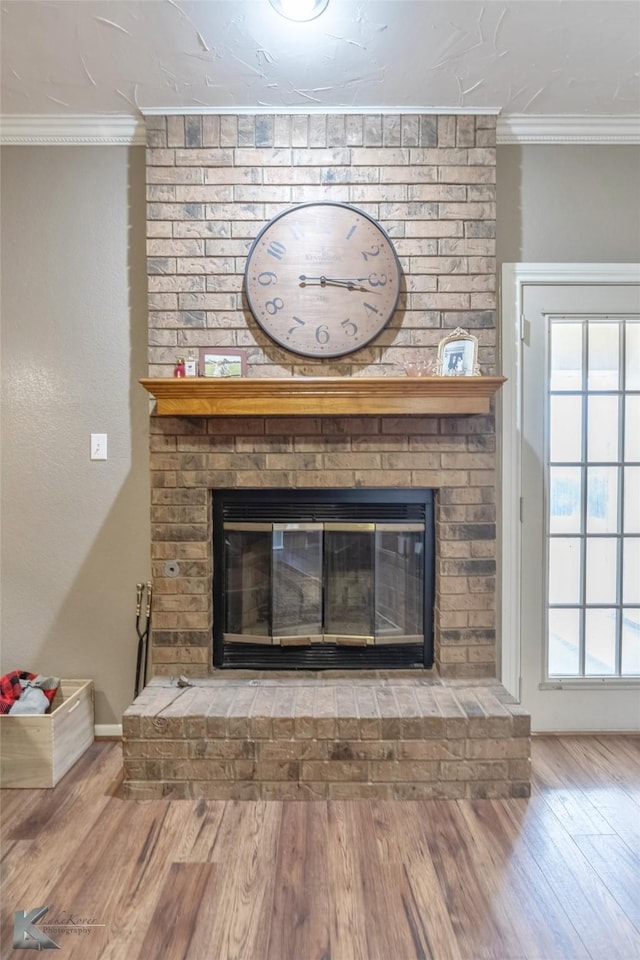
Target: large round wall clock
{"points": [[322, 279]]}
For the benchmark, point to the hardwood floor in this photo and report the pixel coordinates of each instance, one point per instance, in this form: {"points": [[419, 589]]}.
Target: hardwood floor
{"points": [[555, 876]]}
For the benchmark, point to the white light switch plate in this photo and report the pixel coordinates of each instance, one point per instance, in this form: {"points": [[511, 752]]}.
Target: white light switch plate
{"points": [[98, 446]]}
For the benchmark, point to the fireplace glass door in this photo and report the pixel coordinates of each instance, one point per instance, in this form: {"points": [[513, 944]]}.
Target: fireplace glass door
{"points": [[336, 582], [314, 579], [273, 586]]}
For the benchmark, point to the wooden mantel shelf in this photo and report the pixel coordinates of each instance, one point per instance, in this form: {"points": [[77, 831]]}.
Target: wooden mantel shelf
{"points": [[321, 396]]}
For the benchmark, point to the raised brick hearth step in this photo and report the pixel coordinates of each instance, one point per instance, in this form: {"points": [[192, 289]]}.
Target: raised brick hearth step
{"points": [[326, 736]]}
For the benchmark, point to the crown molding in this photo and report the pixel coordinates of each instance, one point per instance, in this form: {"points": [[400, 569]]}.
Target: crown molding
{"points": [[315, 110], [82, 129], [568, 128], [121, 130]]}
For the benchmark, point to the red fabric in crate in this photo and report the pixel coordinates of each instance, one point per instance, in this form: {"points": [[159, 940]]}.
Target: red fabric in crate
{"points": [[11, 688]]}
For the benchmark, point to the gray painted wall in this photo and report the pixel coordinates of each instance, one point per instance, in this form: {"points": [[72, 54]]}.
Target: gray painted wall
{"points": [[75, 533], [568, 204]]}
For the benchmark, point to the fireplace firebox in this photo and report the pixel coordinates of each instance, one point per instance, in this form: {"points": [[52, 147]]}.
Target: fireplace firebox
{"points": [[318, 579]]}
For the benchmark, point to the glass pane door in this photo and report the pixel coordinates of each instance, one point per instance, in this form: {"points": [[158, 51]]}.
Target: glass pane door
{"points": [[399, 583], [248, 582], [593, 497], [349, 582], [297, 582]]}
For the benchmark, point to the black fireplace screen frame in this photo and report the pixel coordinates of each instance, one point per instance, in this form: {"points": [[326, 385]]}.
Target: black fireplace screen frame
{"points": [[369, 504]]}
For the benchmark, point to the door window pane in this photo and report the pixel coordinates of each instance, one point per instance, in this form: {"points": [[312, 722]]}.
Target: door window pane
{"points": [[602, 430], [604, 352], [564, 570], [564, 642], [632, 355], [632, 429], [566, 430], [566, 356], [602, 500], [631, 570], [565, 514], [602, 570], [631, 642], [600, 630], [632, 500]]}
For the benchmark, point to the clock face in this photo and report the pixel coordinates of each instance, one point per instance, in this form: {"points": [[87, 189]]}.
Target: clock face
{"points": [[322, 279]]}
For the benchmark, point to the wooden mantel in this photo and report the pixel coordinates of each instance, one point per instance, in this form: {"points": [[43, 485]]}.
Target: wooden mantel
{"points": [[321, 396]]}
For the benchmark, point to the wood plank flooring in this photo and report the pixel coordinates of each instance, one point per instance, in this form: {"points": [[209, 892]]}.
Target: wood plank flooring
{"points": [[554, 877]]}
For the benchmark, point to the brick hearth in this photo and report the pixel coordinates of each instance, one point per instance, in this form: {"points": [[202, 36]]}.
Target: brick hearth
{"points": [[252, 737]]}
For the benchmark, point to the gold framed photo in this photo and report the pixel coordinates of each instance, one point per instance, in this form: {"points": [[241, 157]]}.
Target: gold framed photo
{"points": [[458, 355], [222, 363]]}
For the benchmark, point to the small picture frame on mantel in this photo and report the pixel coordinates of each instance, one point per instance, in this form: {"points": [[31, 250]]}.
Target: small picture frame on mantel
{"points": [[458, 355], [223, 363]]}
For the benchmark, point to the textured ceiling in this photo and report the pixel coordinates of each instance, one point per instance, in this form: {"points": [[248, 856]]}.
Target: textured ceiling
{"points": [[539, 58]]}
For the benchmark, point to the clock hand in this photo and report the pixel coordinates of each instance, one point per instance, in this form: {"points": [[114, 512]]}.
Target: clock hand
{"points": [[336, 282], [323, 279]]}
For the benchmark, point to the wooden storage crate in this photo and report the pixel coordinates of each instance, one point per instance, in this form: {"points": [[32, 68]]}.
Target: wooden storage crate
{"points": [[37, 750]]}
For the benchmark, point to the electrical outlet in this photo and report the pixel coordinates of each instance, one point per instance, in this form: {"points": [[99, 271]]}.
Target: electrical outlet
{"points": [[98, 446]]}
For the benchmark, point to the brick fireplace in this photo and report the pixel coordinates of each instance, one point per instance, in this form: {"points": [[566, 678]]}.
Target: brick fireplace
{"points": [[213, 182], [202, 455]]}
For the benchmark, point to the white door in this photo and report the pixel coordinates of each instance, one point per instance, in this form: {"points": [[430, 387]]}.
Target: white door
{"points": [[580, 509]]}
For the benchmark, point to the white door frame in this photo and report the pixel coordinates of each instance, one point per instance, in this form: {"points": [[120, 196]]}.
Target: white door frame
{"points": [[509, 405]]}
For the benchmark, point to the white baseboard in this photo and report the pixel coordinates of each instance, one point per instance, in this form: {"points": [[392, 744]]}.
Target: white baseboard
{"points": [[111, 730]]}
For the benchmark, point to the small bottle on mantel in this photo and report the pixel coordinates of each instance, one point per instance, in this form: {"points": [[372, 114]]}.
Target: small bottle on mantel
{"points": [[179, 369], [191, 365]]}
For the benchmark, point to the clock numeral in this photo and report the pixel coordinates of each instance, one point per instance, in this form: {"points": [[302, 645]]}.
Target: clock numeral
{"points": [[373, 251], [267, 277], [370, 308], [377, 280], [322, 334], [295, 329], [296, 232], [276, 249], [352, 231], [272, 306], [349, 327]]}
